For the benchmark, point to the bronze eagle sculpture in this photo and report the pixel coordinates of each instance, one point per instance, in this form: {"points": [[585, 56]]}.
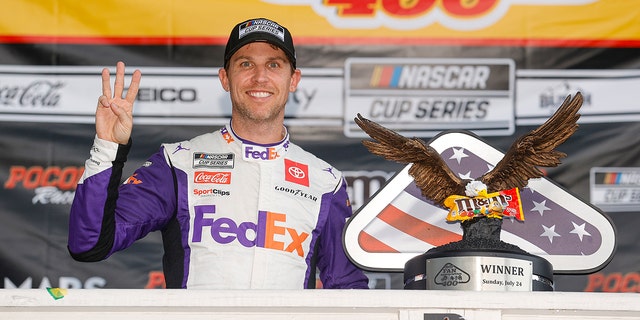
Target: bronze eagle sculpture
{"points": [[437, 182]]}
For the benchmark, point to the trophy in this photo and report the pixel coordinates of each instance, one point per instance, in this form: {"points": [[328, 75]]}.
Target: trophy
{"points": [[481, 261]]}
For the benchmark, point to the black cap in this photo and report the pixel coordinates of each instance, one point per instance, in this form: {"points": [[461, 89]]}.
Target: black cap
{"points": [[260, 29]]}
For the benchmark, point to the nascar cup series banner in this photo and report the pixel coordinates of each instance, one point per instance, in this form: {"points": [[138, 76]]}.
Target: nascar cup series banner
{"points": [[468, 77]]}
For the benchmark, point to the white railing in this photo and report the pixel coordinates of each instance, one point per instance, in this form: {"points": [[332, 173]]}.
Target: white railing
{"points": [[313, 304]]}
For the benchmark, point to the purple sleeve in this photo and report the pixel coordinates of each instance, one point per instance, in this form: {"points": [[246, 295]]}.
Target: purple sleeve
{"points": [[336, 270], [107, 216]]}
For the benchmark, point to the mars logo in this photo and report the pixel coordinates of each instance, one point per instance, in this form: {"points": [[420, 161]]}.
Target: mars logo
{"points": [[398, 223], [457, 15]]}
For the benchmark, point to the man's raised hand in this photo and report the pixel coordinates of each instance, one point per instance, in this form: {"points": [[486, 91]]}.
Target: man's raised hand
{"points": [[114, 114]]}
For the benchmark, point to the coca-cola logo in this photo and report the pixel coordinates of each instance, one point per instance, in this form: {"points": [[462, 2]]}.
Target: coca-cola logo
{"points": [[212, 177], [41, 93]]}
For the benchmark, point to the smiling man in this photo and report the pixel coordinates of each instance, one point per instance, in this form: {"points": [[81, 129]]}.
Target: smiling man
{"points": [[241, 207]]}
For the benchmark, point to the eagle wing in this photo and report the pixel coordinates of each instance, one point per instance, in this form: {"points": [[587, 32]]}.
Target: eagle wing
{"points": [[430, 173], [535, 149]]}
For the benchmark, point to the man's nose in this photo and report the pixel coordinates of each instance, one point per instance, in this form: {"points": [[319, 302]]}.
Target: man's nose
{"points": [[260, 74]]}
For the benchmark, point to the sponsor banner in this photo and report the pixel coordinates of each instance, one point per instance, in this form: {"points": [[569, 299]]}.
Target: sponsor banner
{"points": [[50, 185], [423, 97], [138, 267], [416, 97], [167, 96], [558, 41], [615, 189], [609, 95], [482, 22], [39, 171]]}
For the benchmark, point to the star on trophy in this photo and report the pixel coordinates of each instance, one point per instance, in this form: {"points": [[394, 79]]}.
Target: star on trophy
{"points": [[481, 261]]}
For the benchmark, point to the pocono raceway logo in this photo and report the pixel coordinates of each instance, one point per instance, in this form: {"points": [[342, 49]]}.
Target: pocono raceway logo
{"points": [[408, 15], [51, 185], [613, 282]]}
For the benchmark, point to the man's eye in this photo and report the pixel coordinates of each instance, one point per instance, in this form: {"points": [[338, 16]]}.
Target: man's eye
{"points": [[245, 64], [274, 65]]}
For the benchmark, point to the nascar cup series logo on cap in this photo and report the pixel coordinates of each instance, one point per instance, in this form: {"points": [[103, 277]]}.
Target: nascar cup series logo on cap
{"points": [[261, 26]]}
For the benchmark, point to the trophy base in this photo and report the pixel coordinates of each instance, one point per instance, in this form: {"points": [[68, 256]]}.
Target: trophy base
{"points": [[478, 270]]}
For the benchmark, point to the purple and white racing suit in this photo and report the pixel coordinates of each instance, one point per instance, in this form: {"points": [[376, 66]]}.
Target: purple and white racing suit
{"points": [[233, 214]]}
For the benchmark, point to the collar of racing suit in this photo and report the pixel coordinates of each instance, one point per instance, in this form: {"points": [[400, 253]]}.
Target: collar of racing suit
{"points": [[252, 151]]}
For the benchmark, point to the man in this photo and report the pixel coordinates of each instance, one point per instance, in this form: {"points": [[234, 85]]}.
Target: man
{"points": [[241, 207]]}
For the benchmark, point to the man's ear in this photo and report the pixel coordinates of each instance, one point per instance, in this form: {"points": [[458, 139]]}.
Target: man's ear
{"points": [[224, 80], [295, 79]]}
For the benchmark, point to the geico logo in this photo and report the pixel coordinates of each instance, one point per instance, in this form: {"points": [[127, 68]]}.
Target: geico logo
{"points": [[271, 231], [64, 178], [267, 153], [167, 94], [214, 192]]}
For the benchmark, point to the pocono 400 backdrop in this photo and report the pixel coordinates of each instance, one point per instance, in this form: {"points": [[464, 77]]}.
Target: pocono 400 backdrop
{"points": [[493, 68]]}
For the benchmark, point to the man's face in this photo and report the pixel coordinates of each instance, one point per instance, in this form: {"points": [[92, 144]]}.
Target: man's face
{"points": [[259, 79]]}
